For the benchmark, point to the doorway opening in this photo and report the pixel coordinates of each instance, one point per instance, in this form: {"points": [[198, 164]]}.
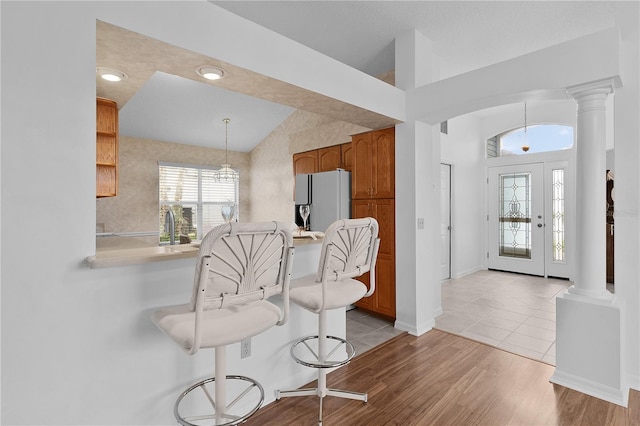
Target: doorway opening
{"points": [[528, 220], [445, 221], [531, 200]]}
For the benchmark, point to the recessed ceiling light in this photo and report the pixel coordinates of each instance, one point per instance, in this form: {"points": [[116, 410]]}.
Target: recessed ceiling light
{"points": [[209, 72], [111, 74]]}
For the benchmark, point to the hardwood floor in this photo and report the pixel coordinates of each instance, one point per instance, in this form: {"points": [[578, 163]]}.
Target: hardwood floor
{"points": [[442, 379]]}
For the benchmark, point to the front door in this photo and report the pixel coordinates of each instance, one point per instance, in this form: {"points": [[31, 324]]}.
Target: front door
{"points": [[516, 219], [528, 205]]}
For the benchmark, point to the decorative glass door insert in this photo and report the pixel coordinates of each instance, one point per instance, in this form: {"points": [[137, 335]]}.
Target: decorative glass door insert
{"points": [[557, 216], [560, 209], [515, 215]]}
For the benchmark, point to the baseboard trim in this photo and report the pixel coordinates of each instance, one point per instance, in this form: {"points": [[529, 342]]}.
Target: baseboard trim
{"points": [[415, 331], [634, 381], [597, 390], [467, 272]]}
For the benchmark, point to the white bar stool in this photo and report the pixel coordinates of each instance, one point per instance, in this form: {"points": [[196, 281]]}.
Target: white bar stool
{"points": [[239, 267], [349, 250]]}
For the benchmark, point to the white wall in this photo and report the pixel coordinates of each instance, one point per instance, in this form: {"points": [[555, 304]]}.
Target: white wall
{"points": [[77, 344], [464, 149]]}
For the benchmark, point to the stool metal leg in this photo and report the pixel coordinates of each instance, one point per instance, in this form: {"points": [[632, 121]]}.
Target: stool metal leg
{"points": [[322, 364], [221, 383], [221, 414]]}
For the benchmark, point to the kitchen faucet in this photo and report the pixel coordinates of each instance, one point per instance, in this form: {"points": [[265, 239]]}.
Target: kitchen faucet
{"points": [[170, 226]]}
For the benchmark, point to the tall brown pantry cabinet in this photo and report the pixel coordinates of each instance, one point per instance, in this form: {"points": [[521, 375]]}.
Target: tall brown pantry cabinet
{"points": [[373, 194]]}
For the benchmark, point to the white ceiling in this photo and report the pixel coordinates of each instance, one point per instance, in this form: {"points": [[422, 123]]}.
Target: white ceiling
{"points": [[185, 111], [466, 36]]}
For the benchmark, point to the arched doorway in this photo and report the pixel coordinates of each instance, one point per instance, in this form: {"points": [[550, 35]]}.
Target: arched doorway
{"points": [[530, 200]]}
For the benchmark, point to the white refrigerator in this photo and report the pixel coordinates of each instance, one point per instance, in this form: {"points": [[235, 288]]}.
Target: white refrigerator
{"points": [[328, 194]]}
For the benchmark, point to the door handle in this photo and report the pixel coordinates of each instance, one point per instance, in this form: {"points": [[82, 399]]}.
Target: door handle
{"points": [[539, 225]]}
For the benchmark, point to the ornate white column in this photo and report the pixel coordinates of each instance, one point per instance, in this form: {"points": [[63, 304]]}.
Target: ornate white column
{"points": [[590, 277], [588, 318]]}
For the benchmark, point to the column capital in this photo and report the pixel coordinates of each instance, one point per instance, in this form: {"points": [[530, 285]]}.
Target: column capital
{"points": [[600, 87]]}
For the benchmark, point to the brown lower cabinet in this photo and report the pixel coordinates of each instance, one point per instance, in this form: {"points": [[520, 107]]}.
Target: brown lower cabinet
{"points": [[383, 301]]}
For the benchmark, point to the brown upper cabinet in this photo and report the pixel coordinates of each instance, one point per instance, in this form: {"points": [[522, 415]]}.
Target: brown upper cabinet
{"points": [[373, 164], [347, 156], [329, 158], [324, 159], [305, 162], [106, 148]]}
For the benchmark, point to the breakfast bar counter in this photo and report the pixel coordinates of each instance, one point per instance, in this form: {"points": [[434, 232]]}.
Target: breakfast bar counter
{"points": [[126, 255]]}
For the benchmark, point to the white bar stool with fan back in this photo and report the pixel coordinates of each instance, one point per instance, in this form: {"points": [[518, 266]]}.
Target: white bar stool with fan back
{"points": [[239, 267], [349, 250]]}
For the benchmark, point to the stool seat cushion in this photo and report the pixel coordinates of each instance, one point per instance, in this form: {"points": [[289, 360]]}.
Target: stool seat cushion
{"points": [[307, 293], [220, 327]]}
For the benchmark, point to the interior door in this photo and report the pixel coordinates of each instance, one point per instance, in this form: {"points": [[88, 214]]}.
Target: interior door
{"points": [[445, 221], [516, 219]]}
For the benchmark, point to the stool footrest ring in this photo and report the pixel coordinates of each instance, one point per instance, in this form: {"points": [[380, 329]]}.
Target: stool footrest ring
{"points": [[301, 346], [227, 418]]}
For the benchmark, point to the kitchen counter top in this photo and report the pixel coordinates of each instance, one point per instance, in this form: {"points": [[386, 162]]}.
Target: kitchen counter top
{"points": [[114, 256], [138, 255]]}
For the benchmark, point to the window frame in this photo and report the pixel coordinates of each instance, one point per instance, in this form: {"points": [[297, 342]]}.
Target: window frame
{"points": [[199, 204], [496, 142]]}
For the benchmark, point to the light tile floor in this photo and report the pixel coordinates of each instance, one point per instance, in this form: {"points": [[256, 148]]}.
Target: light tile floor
{"points": [[366, 331], [513, 312], [510, 311]]}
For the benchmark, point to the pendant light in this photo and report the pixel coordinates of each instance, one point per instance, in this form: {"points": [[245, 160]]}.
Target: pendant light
{"points": [[226, 173], [525, 145]]}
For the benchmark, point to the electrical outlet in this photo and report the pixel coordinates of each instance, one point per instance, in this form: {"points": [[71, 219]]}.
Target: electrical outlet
{"points": [[420, 223], [245, 347]]}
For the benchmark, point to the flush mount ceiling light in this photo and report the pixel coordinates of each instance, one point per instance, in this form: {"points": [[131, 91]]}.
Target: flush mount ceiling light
{"points": [[209, 72], [111, 74]]}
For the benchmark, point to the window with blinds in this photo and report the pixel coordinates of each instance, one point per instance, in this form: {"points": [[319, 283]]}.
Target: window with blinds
{"points": [[195, 197]]}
